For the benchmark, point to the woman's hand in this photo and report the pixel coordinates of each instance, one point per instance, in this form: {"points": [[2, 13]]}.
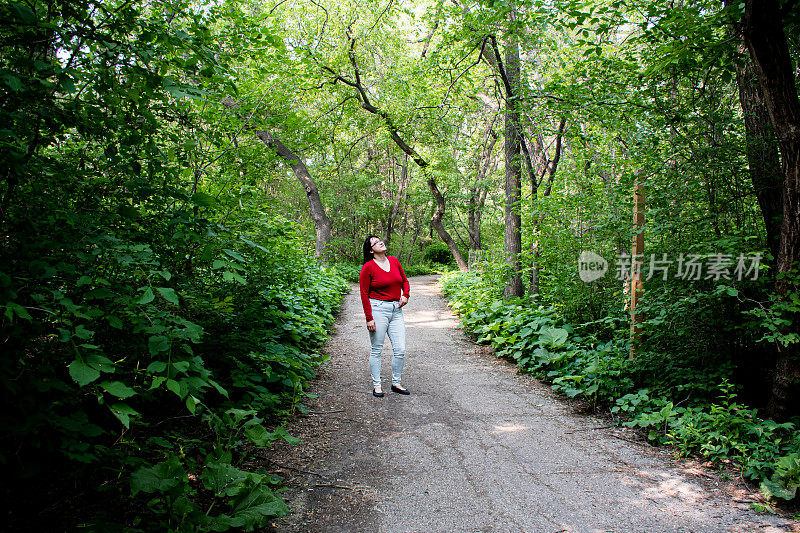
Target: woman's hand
{"points": [[371, 325], [403, 301]]}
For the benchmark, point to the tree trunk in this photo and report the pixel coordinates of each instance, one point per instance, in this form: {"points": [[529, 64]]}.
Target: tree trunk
{"points": [[436, 222], [547, 167], [766, 41], [477, 201], [478, 191], [321, 221], [473, 227], [398, 199], [762, 153], [513, 173]]}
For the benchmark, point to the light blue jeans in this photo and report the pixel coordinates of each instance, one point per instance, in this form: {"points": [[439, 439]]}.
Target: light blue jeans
{"points": [[388, 318]]}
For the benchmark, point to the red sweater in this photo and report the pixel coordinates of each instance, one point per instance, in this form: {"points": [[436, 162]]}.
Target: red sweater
{"points": [[381, 285]]}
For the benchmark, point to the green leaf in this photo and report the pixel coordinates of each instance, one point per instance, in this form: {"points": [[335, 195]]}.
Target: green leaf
{"points": [[554, 337], [168, 294], [203, 199], [82, 333], [181, 366], [223, 478], [82, 373], [13, 308], [25, 14], [218, 387], [159, 478], [157, 366], [235, 255], [253, 244], [101, 363], [158, 344], [191, 403], [180, 389], [233, 276], [146, 297], [118, 389], [12, 81], [123, 412], [114, 321], [776, 489]]}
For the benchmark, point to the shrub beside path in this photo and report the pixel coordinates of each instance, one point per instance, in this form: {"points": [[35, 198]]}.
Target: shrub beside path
{"points": [[478, 448]]}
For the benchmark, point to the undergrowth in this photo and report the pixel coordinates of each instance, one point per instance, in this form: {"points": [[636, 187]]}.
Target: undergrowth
{"points": [[142, 392]]}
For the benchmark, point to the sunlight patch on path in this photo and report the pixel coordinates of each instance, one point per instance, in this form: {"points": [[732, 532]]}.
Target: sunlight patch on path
{"points": [[430, 319]]}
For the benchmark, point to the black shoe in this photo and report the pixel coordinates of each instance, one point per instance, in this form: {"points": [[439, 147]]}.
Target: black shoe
{"points": [[398, 390], [378, 394]]}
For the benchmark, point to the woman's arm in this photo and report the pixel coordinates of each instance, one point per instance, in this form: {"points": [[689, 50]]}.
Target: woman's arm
{"points": [[405, 292], [364, 279], [406, 288]]}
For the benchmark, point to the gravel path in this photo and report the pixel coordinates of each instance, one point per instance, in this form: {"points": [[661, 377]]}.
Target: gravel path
{"points": [[478, 448]]}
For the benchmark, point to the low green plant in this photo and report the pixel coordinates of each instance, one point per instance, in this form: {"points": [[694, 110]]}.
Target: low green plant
{"points": [[348, 271]]}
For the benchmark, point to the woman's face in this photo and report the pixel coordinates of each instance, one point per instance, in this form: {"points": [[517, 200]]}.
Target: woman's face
{"points": [[377, 245]]}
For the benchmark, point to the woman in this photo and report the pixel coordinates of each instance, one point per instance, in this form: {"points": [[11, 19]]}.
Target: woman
{"points": [[384, 292]]}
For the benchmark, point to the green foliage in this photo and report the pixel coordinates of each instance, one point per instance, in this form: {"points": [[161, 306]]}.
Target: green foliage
{"points": [[239, 498], [348, 271], [423, 269], [150, 277], [140, 293], [438, 253]]}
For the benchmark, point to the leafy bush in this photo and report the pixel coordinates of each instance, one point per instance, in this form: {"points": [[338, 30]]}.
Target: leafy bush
{"points": [[226, 349], [348, 271], [157, 324], [422, 269], [438, 253]]}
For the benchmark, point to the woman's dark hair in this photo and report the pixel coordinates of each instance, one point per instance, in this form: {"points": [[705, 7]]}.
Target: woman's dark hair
{"points": [[368, 248]]}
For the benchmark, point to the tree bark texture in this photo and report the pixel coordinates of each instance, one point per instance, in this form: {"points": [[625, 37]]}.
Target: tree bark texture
{"points": [[762, 27], [321, 221], [513, 173], [762, 153]]}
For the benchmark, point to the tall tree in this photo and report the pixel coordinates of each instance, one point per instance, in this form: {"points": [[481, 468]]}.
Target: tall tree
{"points": [[763, 160], [485, 162], [402, 185], [763, 30], [513, 170], [322, 223], [397, 137], [545, 169]]}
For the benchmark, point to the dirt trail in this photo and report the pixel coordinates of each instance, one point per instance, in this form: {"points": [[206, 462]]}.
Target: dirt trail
{"points": [[477, 447]]}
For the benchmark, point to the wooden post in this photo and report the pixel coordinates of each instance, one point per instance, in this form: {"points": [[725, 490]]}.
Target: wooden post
{"points": [[637, 253]]}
